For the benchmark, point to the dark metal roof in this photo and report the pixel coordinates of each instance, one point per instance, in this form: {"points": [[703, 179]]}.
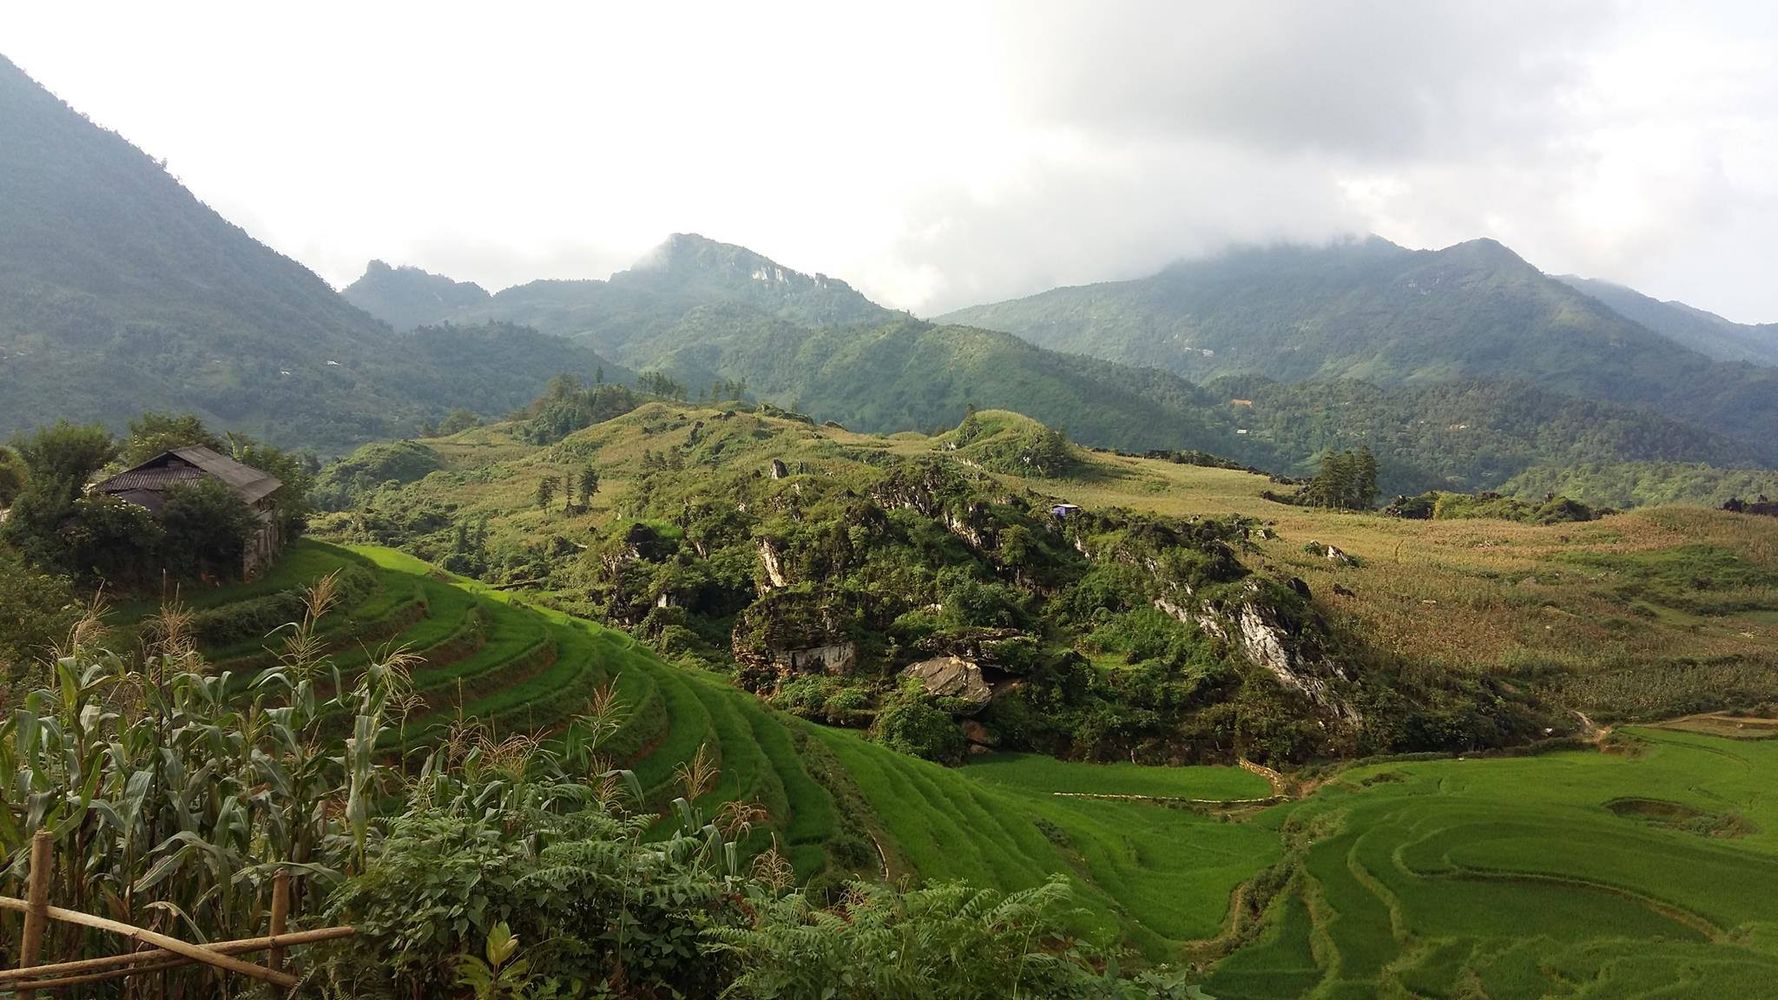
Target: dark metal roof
{"points": [[186, 465]]}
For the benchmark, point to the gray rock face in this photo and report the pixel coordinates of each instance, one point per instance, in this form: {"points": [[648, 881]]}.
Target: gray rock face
{"points": [[952, 677], [1253, 628], [837, 658], [772, 560]]}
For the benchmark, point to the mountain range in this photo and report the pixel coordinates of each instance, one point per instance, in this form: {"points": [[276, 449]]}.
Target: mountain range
{"points": [[1376, 312], [120, 291]]}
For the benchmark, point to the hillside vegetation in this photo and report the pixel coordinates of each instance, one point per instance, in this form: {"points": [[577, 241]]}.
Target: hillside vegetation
{"points": [[713, 314], [1704, 332], [1637, 615]]}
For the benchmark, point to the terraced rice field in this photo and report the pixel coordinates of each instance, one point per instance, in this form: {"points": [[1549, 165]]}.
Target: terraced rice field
{"points": [[1651, 871], [1157, 876]]}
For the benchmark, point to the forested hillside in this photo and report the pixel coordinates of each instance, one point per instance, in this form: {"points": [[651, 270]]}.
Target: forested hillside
{"points": [[1704, 332], [1375, 312], [120, 292], [409, 297]]}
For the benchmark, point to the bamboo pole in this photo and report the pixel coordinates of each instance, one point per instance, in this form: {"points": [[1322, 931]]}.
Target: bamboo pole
{"points": [[280, 912], [196, 953], [37, 909], [99, 977], [238, 947]]}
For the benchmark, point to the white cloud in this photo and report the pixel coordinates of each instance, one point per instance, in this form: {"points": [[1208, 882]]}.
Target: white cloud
{"points": [[937, 154]]}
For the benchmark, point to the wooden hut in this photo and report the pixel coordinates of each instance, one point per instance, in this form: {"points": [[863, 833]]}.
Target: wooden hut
{"points": [[146, 485]]}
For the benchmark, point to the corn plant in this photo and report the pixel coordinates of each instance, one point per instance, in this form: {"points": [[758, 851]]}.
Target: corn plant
{"points": [[174, 793]]}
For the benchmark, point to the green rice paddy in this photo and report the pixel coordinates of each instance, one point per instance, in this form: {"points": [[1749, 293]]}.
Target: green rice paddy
{"points": [[1649, 871]]}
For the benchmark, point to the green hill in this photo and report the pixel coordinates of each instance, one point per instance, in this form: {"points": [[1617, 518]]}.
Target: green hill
{"points": [[1704, 332], [409, 297], [1375, 312], [120, 292]]}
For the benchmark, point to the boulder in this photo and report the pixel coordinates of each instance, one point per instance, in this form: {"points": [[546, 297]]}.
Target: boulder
{"points": [[953, 677], [1332, 553]]}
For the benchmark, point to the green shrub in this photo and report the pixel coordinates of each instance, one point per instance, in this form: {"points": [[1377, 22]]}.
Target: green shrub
{"points": [[913, 725]]}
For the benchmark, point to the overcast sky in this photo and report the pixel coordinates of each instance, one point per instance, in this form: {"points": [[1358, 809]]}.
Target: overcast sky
{"points": [[939, 154]]}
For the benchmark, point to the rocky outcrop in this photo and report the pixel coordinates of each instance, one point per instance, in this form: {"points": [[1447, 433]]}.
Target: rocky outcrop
{"points": [[953, 677], [1332, 553], [1254, 626], [771, 559], [789, 632], [981, 739], [834, 658]]}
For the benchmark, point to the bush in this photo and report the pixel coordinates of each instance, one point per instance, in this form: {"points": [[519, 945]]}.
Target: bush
{"points": [[913, 725]]}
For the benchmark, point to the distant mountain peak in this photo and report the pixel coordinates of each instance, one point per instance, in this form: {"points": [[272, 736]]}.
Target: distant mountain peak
{"points": [[406, 296], [687, 254]]}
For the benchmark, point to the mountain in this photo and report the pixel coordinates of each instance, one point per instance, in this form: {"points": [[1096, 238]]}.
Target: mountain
{"points": [[120, 292], [1704, 332], [682, 273], [1373, 311], [408, 297], [705, 312]]}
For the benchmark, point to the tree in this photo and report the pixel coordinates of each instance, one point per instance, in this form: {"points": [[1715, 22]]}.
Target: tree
{"points": [[295, 470], [153, 433], [108, 540], [456, 421], [66, 455], [1364, 493], [206, 526], [546, 490], [35, 612], [971, 427], [59, 460], [589, 484], [1347, 480], [12, 476]]}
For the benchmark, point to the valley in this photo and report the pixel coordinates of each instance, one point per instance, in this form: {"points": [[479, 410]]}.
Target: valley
{"points": [[1296, 614]]}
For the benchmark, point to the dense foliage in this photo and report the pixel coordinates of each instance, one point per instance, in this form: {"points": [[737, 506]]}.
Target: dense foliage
{"points": [[478, 868], [1347, 480], [1444, 506], [1637, 484]]}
